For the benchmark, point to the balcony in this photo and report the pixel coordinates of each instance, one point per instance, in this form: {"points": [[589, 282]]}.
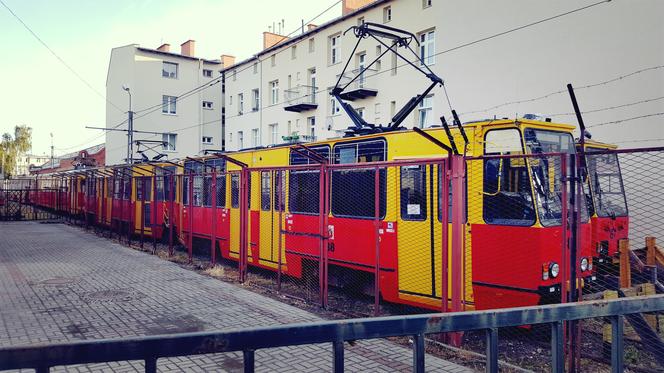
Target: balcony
{"points": [[361, 87], [296, 138], [300, 98]]}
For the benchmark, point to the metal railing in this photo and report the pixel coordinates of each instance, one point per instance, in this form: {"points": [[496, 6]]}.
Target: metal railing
{"points": [[300, 94], [361, 80], [150, 349]]}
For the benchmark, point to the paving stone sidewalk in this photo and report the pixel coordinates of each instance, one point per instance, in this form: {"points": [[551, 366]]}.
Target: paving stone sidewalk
{"points": [[59, 283]]}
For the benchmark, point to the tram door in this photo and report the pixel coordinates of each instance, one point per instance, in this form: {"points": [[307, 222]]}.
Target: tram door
{"points": [[270, 205], [419, 233]]}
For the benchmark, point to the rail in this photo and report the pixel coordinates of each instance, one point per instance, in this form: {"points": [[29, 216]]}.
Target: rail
{"points": [[151, 348]]}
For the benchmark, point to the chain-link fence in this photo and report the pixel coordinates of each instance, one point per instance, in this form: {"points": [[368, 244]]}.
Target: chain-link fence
{"points": [[352, 232]]}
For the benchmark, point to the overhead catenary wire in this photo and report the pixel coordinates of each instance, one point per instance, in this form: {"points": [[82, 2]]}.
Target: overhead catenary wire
{"points": [[619, 78], [62, 61], [218, 80], [609, 108], [467, 44], [626, 120]]}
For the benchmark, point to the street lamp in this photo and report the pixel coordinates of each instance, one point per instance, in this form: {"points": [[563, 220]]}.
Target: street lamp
{"points": [[130, 128]]}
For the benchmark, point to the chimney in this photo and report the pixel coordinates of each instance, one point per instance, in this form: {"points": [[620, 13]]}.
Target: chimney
{"points": [[187, 48], [311, 26], [349, 6], [271, 39], [227, 61], [164, 48]]}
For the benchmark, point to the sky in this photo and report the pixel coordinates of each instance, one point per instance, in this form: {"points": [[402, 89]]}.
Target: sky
{"points": [[599, 44], [41, 92]]}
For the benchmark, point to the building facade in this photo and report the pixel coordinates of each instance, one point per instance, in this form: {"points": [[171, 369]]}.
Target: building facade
{"points": [[26, 161], [173, 117], [91, 157], [282, 93]]}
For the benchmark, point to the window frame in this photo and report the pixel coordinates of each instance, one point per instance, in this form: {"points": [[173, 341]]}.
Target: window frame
{"points": [[169, 105], [423, 215], [334, 51], [530, 187], [427, 47], [167, 74], [382, 171], [169, 144]]}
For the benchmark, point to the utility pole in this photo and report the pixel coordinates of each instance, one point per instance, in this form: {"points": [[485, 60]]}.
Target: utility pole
{"points": [[130, 129], [51, 149]]}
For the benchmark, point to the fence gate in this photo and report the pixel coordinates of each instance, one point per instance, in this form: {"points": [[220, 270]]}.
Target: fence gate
{"points": [[21, 205]]}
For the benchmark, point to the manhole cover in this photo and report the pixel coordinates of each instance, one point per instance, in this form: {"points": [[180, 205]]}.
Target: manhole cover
{"points": [[55, 281], [112, 295]]}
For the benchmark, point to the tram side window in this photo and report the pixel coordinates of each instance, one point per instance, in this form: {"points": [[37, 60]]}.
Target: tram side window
{"points": [[413, 193], [304, 185], [507, 193], [353, 191], [139, 189], [207, 191], [606, 184], [449, 197], [198, 190], [160, 181], [235, 191], [185, 190], [279, 190], [140, 181], [126, 187], [304, 191], [265, 190], [221, 191]]}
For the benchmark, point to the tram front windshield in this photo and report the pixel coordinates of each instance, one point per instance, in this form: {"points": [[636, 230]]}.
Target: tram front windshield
{"points": [[546, 172], [606, 184]]}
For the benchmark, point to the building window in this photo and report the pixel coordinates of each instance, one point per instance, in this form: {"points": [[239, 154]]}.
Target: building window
{"points": [[255, 67], [424, 112], [168, 104], [426, 3], [293, 52], [255, 100], [334, 107], [240, 140], [387, 14], [312, 45], [207, 140], [207, 105], [274, 92], [393, 62], [274, 133], [255, 141], [169, 70], [428, 47], [168, 141], [360, 111], [240, 104], [311, 121], [207, 73], [273, 60], [334, 49]]}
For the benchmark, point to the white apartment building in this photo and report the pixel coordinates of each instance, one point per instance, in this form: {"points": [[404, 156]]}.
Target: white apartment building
{"points": [[183, 120], [25, 161], [282, 93]]}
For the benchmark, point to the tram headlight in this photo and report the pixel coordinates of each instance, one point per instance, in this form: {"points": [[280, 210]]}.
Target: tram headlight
{"points": [[554, 270], [584, 264]]}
